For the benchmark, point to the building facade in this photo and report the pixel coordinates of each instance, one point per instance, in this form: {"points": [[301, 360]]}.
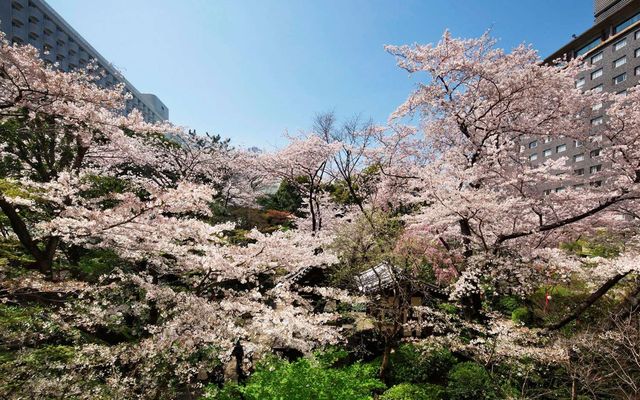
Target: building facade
{"points": [[34, 22], [611, 47]]}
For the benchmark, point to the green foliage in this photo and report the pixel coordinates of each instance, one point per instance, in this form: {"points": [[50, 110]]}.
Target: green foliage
{"points": [[602, 244], [286, 198], [230, 391], [360, 247], [10, 188], [526, 378], [12, 254], [521, 315], [21, 325], [508, 304], [414, 364], [99, 186], [409, 391], [470, 381], [95, 263], [563, 299], [448, 308], [310, 378]]}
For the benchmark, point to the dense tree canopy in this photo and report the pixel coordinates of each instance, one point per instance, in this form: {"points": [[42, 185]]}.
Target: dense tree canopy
{"points": [[124, 272]]}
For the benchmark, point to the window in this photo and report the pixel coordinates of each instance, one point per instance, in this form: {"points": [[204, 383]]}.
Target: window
{"points": [[595, 153], [46, 48], [561, 148], [624, 25], [597, 89], [597, 121], [547, 192], [547, 139], [579, 171], [546, 153], [33, 36], [583, 50], [620, 44], [533, 144], [533, 157], [595, 169], [580, 83], [620, 62], [33, 20], [622, 93], [16, 23], [637, 52], [637, 71], [596, 74], [560, 189], [637, 34], [596, 138], [60, 57], [620, 78], [578, 143], [596, 57], [596, 183], [596, 107], [16, 6], [578, 186], [578, 157]]}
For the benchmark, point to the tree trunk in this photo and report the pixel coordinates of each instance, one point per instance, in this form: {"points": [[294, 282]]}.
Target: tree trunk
{"points": [[44, 258], [595, 296], [472, 302], [384, 365]]}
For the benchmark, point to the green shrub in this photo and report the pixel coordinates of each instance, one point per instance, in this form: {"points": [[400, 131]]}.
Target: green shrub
{"points": [[409, 391], [309, 378], [470, 381], [521, 315], [412, 364], [228, 392], [508, 303]]}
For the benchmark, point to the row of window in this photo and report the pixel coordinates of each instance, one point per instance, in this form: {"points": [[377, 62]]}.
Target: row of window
{"points": [[618, 62], [594, 169], [561, 148], [624, 25], [578, 186]]}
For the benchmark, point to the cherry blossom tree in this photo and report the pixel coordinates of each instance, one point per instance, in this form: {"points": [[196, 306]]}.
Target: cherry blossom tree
{"points": [[303, 163], [79, 174], [478, 194]]}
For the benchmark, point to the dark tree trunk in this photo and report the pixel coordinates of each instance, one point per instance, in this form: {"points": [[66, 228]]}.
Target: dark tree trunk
{"points": [[595, 296], [44, 258], [384, 365], [473, 301]]}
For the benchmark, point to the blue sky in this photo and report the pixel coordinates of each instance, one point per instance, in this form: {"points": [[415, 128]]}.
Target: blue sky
{"points": [[250, 70]]}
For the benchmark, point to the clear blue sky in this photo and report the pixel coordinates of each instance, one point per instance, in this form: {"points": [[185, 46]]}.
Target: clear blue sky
{"points": [[250, 70]]}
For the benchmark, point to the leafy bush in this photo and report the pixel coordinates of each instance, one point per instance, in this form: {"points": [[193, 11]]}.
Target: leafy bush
{"points": [[508, 303], [470, 381], [412, 364], [286, 198], [409, 391], [308, 378], [521, 315], [228, 392]]}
